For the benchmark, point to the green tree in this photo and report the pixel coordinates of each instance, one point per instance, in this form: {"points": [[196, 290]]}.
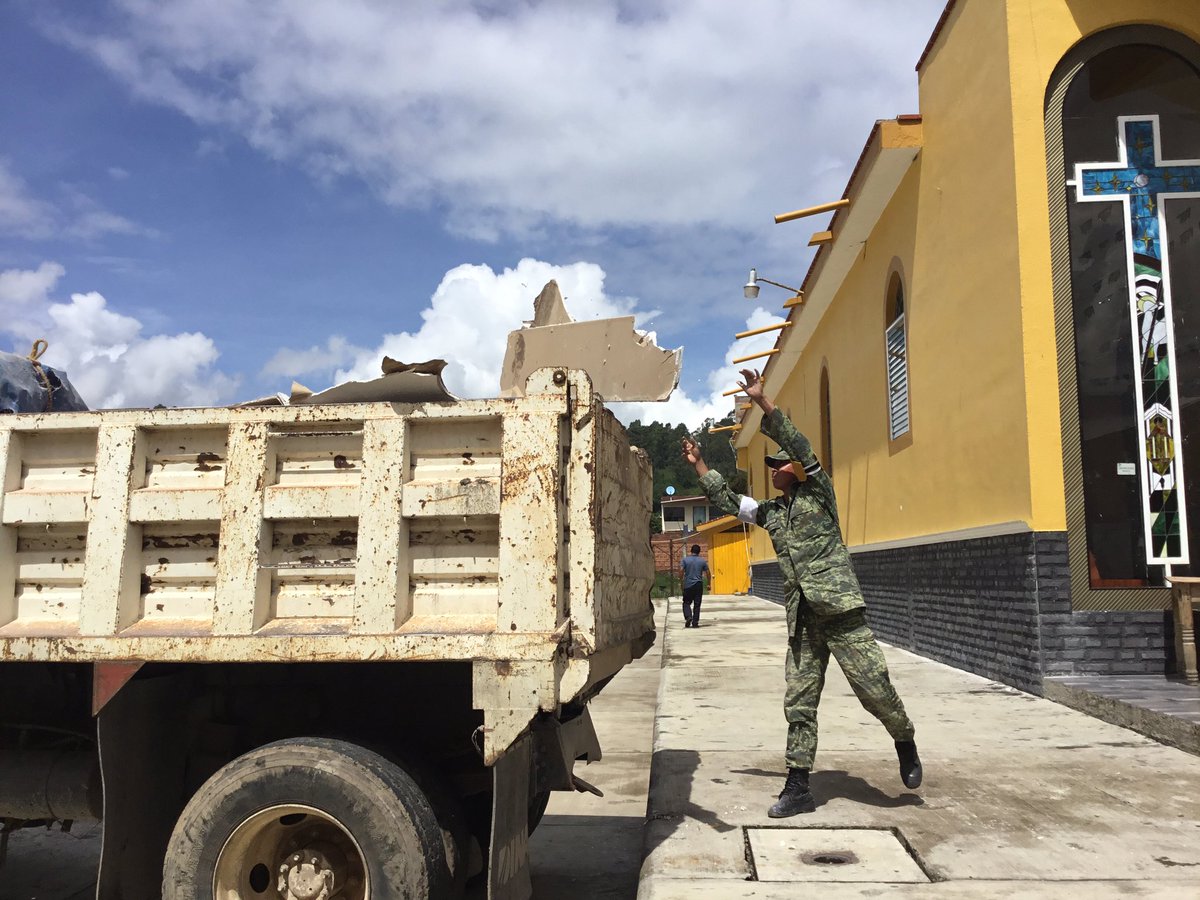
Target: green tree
{"points": [[719, 453], [662, 444]]}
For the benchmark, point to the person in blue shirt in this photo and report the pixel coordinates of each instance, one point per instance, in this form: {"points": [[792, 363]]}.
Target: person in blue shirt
{"points": [[695, 572]]}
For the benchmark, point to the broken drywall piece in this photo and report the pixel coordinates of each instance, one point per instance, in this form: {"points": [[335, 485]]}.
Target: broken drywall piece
{"points": [[549, 308], [400, 383], [623, 363], [429, 367], [405, 386], [299, 393]]}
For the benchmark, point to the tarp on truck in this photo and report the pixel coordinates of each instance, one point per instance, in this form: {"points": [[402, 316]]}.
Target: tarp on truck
{"points": [[27, 386]]}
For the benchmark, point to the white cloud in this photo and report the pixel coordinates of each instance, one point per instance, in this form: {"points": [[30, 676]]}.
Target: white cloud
{"points": [[84, 218], [336, 353], [471, 313], [90, 222], [77, 215], [104, 353], [24, 291], [516, 117], [21, 214], [467, 323]]}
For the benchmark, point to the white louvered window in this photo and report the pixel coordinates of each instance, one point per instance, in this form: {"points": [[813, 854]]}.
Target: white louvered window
{"points": [[897, 377]]}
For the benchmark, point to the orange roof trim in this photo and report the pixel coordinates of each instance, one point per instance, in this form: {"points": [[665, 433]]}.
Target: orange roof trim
{"points": [[724, 523], [937, 32]]}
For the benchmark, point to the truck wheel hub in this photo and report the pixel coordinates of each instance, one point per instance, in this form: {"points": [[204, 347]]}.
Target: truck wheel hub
{"points": [[291, 852], [306, 875]]}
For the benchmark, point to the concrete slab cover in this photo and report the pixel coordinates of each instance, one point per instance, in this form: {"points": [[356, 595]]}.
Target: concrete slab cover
{"points": [[831, 854]]}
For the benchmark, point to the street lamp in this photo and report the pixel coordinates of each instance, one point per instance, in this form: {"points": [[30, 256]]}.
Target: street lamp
{"points": [[750, 288]]}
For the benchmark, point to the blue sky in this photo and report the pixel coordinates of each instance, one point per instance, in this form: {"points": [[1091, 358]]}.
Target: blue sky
{"points": [[201, 200]]}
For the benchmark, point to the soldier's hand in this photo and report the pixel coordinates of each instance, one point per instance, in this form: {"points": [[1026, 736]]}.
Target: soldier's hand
{"points": [[691, 452], [752, 384]]}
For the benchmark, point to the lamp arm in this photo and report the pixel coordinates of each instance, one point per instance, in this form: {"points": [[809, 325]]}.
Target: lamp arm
{"points": [[777, 284]]}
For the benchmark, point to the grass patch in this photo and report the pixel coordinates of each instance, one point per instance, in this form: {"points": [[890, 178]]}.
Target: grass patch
{"points": [[666, 584]]}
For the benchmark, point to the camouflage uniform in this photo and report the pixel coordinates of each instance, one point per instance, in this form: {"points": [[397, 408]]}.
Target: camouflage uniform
{"points": [[825, 608]]}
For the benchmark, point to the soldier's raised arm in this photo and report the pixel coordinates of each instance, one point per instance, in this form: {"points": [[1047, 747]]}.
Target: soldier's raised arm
{"points": [[717, 491], [780, 429], [776, 425]]}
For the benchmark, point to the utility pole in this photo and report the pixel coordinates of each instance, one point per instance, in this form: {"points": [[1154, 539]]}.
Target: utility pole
{"points": [[671, 576]]}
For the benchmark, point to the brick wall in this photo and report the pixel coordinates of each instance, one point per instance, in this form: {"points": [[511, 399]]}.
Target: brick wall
{"points": [[997, 606], [663, 550], [972, 604], [766, 581], [1094, 642]]}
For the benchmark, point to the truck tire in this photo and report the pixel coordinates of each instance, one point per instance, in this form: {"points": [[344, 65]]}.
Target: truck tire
{"points": [[306, 817]]}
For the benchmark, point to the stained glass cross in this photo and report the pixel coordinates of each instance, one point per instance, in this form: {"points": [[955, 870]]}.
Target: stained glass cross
{"points": [[1142, 180]]}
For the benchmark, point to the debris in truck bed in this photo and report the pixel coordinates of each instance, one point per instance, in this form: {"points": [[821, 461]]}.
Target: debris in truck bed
{"points": [[399, 383]]}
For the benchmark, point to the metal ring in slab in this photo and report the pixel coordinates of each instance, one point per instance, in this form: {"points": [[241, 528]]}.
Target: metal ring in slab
{"points": [[291, 852]]}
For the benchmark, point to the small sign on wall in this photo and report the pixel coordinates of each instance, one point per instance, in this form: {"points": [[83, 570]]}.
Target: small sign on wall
{"points": [[1126, 468]]}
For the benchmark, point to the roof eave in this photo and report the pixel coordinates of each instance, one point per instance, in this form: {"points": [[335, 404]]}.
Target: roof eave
{"points": [[937, 33], [891, 148]]}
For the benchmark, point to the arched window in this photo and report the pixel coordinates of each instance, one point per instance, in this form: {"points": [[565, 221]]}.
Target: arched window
{"points": [[826, 424], [1126, 107], [895, 344]]}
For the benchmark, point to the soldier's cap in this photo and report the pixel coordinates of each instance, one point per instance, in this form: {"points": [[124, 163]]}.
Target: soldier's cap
{"points": [[777, 460]]}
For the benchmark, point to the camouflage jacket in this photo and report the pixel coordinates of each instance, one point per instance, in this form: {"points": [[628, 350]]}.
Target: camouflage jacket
{"points": [[803, 526]]}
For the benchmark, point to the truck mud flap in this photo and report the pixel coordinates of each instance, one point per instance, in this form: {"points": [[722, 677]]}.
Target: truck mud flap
{"points": [[142, 766], [557, 747], [508, 861]]}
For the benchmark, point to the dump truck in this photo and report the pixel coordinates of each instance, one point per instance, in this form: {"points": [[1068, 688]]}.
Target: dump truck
{"points": [[333, 650]]}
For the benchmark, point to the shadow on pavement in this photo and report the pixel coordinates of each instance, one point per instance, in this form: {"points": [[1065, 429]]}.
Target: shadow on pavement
{"points": [[829, 785], [671, 775], [586, 857]]}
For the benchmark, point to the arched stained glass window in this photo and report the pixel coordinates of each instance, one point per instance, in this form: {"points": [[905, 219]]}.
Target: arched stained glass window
{"points": [[1131, 149]]}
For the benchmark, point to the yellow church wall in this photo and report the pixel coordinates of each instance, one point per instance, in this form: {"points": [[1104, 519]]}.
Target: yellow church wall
{"points": [[950, 230], [750, 460], [968, 228], [968, 463]]}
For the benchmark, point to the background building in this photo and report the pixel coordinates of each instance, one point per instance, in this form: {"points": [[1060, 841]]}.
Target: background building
{"points": [[684, 513], [998, 357]]}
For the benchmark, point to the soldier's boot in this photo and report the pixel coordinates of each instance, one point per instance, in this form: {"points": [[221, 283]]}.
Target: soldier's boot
{"points": [[795, 797], [910, 763]]}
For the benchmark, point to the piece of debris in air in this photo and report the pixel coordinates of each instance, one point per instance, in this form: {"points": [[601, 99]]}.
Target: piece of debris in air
{"points": [[623, 363]]}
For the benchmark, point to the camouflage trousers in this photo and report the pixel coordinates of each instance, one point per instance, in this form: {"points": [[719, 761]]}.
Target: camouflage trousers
{"points": [[852, 644]]}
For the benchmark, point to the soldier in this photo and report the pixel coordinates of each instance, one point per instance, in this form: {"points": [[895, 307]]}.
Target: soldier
{"points": [[825, 608]]}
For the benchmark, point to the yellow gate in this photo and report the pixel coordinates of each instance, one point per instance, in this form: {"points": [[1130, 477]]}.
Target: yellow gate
{"points": [[728, 561]]}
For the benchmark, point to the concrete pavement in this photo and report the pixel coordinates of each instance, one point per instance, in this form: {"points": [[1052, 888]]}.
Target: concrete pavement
{"points": [[588, 847], [1023, 797]]}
